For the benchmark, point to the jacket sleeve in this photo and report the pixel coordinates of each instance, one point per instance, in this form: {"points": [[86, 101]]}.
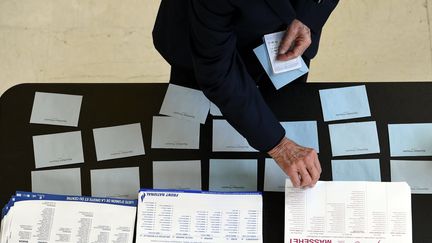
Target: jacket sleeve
{"points": [[223, 77], [314, 14]]}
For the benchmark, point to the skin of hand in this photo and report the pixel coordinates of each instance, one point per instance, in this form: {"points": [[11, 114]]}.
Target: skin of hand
{"points": [[301, 164], [295, 41]]}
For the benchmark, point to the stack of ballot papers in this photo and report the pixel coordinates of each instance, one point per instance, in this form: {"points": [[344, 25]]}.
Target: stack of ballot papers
{"points": [[199, 217], [280, 73], [46, 218], [368, 212]]}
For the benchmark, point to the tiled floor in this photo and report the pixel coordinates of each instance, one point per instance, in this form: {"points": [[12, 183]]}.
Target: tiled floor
{"points": [[110, 41]]}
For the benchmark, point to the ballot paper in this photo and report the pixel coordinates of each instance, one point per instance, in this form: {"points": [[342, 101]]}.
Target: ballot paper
{"points": [[58, 149], [199, 217], [233, 175], [272, 42], [367, 212], [304, 133], [410, 139], [354, 138], [56, 109], [180, 175], [214, 110], [281, 79], [173, 133], [274, 177], [344, 103], [115, 183], [48, 218], [356, 170], [63, 181], [118, 142], [415, 172], [227, 139], [185, 103]]}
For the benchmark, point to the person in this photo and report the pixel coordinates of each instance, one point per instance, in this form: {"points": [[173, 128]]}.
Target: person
{"points": [[209, 44]]}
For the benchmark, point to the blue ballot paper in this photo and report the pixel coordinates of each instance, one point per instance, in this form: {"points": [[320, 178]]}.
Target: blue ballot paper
{"points": [[282, 79], [356, 170]]}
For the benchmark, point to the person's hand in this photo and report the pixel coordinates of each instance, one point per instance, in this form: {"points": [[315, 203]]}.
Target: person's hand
{"points": [[295, 41], [301, 164]]}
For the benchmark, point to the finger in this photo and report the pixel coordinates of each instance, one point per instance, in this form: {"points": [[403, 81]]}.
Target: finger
{"points": [[318, 164], [314, 173], [287, 40], [306, 179], [294, 177]]}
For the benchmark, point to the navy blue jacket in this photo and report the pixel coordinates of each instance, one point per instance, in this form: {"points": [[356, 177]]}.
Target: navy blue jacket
{"points": [[215, 39]]}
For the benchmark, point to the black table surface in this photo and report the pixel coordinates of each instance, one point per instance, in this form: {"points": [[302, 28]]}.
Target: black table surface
{"points": [[106, 105]]}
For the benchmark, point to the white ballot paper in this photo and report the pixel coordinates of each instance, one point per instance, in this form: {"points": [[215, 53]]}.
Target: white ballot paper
{"points": [[200, 217], [354, 138], [304, 133], [58, 149], [116, 183], [348, 212], [227, 139], [56, 109], [32, 217], [344, 103], [173, 133], [233, 175], [410, 139], [214, 110], [274, 177], [416, 173], [63, 181], [272, 43], [185, 103], [356, 170], [180, 175], [118, 142]]}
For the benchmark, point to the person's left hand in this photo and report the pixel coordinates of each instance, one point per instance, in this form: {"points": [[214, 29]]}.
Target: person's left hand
{"points": [[295, 41]]}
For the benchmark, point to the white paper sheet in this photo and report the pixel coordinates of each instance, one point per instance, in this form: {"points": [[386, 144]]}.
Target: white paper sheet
{"points": [[175, 133], [272, 43], [63, 181], [202, 217], [354, 138], [369, 212], [214, 110], [415, 172], [115, 183], [227, 139], [58, 149], [118, 142], [233, 175], [344, 103], [356, 170], [179, 175], [185, 103], [410, 139], [56, 109], [274, 177], [304, 133]]}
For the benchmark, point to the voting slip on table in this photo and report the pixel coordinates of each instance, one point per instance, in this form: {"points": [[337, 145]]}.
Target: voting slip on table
{"points": [[105, 105]]}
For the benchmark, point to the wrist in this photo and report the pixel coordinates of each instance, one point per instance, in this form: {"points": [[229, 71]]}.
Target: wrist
{"points": [[281, 147]]}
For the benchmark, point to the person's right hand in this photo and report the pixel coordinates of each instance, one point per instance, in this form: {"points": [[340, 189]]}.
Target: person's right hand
{"points": [[301, 164], [296, 40]]}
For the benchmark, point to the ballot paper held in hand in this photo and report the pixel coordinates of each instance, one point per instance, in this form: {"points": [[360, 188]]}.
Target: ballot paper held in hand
{"points": [[272, 42], [279, 80], [56, 109]]}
